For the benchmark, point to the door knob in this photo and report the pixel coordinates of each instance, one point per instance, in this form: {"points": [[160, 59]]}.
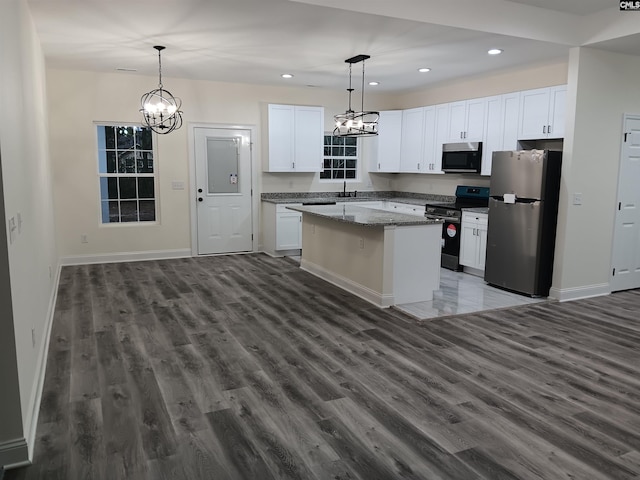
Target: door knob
{"points": [[199, 190], [199, 199]]}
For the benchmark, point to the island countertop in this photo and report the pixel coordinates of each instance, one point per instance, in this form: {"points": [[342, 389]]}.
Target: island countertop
{"points": [[369, 217]]}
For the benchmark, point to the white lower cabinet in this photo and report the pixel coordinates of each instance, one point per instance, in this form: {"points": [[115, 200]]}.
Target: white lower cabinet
{"points": [[288, 230], [281, 229], [473, 240]]}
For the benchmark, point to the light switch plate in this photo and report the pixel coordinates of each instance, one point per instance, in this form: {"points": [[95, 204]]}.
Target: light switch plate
{"points": [[577, 198], [177, 185]]}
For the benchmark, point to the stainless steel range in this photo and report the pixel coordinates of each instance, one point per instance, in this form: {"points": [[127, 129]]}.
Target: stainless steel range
{"points": [[451, 213]]}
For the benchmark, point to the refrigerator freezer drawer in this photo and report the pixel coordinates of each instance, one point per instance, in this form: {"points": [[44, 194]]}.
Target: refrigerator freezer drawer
{"points": [[513, 246]]}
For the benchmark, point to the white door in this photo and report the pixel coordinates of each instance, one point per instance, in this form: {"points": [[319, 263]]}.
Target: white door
{"points": [[223, 190], [626, 237]]}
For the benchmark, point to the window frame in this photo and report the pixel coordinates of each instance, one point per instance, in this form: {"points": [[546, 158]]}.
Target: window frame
{"points": [[356, 179], [136, 175]]}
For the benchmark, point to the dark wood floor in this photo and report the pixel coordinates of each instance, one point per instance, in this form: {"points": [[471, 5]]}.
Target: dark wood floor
{"points": [[245, 367]]}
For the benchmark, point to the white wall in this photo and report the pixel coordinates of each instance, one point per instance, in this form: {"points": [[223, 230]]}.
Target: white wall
{"points": [[78, 99], [602, 87], [496, 83], [27, 193]]}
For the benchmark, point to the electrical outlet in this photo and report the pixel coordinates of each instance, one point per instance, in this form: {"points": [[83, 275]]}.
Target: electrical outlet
{"points": [[84, 238]]}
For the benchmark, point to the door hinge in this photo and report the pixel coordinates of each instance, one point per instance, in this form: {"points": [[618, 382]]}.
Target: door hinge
{"points": [[252, 237], [619, 205], [625, 137], [614, 272]]}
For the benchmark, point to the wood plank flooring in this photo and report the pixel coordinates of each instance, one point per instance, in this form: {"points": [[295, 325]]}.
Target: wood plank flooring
{"points": [[245, 367]]}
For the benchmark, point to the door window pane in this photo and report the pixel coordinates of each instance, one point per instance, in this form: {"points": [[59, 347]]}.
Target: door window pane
{"points": [[222, 165]]}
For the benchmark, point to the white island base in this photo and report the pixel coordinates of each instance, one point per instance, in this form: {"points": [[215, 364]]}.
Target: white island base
{"points": [[384, 264]]}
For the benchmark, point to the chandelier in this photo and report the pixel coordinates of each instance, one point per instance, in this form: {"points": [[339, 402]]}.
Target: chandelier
{"points": [[356, 124], [161, 110]]}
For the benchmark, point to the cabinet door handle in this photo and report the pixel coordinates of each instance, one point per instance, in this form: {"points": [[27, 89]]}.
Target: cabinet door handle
{"points": [[293, 165], [544, 129], [378, 166], [548, 128], [418, 166]]}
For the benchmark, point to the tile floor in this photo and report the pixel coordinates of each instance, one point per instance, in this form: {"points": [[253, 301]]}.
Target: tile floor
{"points": [[464, 293]]}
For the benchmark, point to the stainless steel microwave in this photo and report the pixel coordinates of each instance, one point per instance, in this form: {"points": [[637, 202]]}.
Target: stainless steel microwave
{"points": [[463, 157]]}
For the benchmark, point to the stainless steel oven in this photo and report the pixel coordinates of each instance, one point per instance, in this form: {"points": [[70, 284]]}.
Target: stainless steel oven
{"points": [[450, 242]]}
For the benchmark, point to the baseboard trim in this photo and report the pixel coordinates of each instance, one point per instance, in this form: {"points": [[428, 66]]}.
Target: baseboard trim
{"points": [[13, 453], [125, 257], [379, 300], [576, 293], [31, 423]]}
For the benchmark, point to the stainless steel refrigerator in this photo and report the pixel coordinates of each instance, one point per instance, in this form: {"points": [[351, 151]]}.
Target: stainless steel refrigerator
{"points": [[523, 213]]}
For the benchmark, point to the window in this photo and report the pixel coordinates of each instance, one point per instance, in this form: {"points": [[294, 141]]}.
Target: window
{"points": [[126, 172], [340, 158]]}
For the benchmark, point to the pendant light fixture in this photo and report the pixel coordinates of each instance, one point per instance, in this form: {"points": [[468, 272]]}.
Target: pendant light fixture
{"points": [[161, 110], [356, 124]]}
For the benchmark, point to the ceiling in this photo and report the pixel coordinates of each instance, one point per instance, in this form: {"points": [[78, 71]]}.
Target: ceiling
{"points": [[255, 41]]}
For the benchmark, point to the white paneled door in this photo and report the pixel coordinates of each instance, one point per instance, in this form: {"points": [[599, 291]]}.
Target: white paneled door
{"points": [[626, 239], [223, 190]]}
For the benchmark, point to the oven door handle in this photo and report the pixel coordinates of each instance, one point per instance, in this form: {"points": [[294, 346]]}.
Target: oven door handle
{"points": [[446, 219]]}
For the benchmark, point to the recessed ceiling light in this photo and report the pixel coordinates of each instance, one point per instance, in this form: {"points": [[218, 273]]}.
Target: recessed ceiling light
{"points": [[494, 51], [286, 75], [424, 70], [373, 84]]}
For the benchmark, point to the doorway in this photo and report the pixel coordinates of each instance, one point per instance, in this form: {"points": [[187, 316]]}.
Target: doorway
{"points": [[625, 273], [223, 190]]}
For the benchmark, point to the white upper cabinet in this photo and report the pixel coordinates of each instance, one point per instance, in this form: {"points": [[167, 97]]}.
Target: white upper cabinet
{"points": [[430, 163], [410, 141], [389, 141], [501, 127], [441, 135], [412, 144], [295, 138], [542, 113], [467, 120]]}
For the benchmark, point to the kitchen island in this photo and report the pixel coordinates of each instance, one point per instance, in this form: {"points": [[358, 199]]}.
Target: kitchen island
{"points": [[385, 257]]}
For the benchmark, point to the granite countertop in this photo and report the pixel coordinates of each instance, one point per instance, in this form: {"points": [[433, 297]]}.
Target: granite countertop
{"points": [[477, 210], [320, 197], [369, 217]]}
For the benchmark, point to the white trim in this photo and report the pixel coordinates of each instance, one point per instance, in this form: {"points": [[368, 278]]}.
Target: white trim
{"points": [[31, 423], [125, 257], [11, 450], [576, 293], [254, 158], [378, 299]]}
